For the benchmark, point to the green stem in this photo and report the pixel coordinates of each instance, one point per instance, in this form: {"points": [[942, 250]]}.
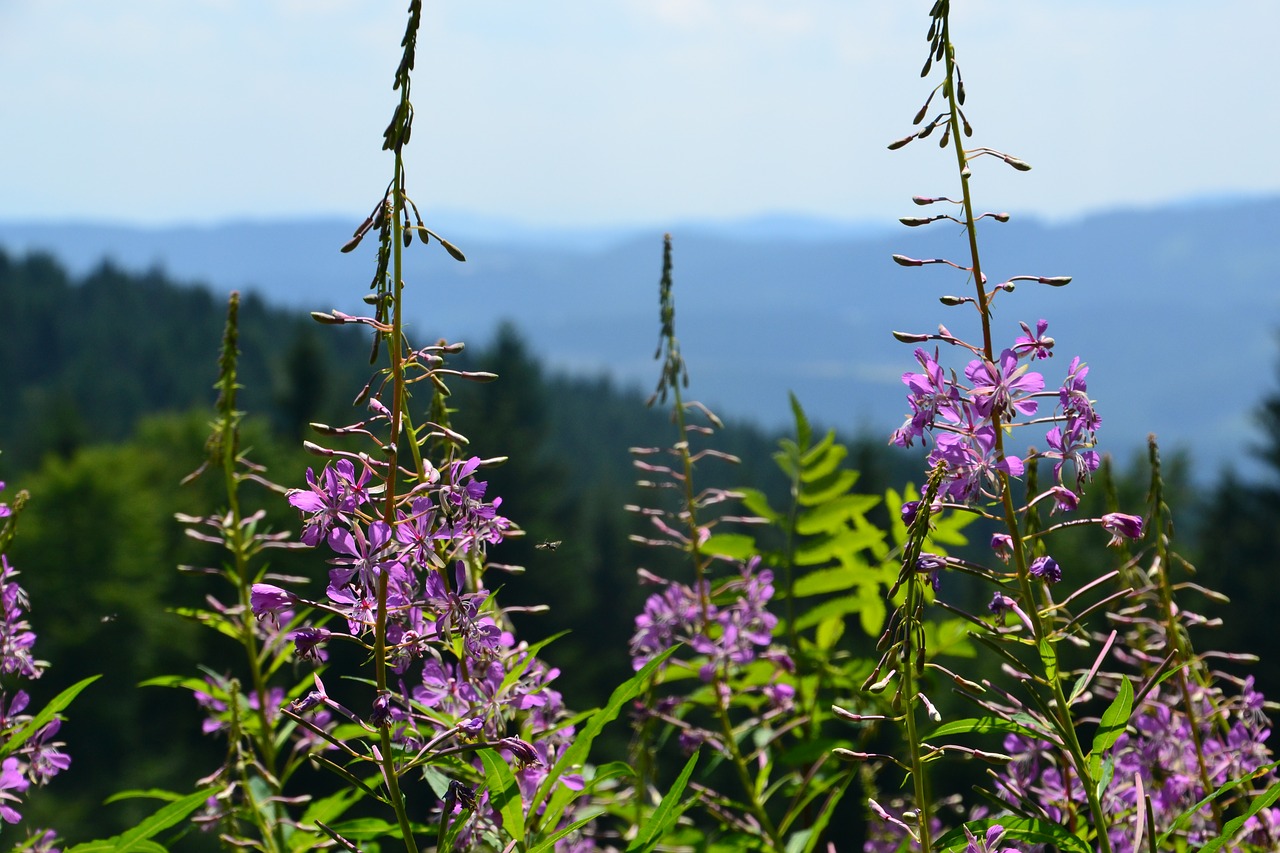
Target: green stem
{"points": [[1040, 636]]}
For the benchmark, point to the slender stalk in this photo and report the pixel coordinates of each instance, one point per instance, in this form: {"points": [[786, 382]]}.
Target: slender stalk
{"points": [[1040, 636]]}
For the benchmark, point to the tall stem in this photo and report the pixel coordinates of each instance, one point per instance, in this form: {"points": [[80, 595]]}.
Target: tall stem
{"points": [[1045, 644]]}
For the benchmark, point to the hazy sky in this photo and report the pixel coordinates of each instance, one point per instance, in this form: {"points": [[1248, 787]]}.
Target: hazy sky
{"points": [[586, 112]]}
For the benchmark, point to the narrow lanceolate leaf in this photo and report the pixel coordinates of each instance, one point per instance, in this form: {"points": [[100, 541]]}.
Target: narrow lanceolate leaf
{"points": [[1234, 825], [46, 714], [558, 796], [139, 838], [983, 725], [666, 814], [504, 793], [1113, 723]]}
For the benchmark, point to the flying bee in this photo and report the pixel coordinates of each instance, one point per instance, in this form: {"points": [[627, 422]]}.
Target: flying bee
{"points": [[548, 545]]}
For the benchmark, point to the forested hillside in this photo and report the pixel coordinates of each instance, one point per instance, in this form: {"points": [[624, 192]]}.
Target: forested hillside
{"points": [[105, 390]]}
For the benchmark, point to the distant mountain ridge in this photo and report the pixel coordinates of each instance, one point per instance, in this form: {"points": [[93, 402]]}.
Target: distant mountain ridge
{"points": [[1175, 309]]}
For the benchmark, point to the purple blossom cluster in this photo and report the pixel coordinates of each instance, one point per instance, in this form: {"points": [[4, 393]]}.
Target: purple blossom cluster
{"points": [[36, 757], [1158, 756], [458, 673], [728, 627], [963, 416]]}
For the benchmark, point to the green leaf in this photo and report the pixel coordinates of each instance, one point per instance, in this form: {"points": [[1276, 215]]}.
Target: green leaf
{"points": [[557, 796], [1194, 810], [46, 714], [1049, 657], [804, 432], [757, 504], [828, 513], [736, 546], [983, 725], [1112, 725], [504, 793], [830, 488], [549, 842], [1016, 828], [138, 838], [665, 815], [1233, 826]]}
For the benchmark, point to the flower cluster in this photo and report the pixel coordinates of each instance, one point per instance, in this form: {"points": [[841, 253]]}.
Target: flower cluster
{"points": [[727, 635], [460, 676], [963, 416], [35, 757], [1161, 757]]}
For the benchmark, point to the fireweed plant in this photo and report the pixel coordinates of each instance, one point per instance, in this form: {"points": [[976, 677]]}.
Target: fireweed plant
{"points": [[30, 754], [732, 680], [406, 518], [752, 684], [1173, 762]]}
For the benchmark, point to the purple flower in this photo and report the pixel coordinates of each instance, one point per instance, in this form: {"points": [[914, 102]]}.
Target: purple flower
{"points": [[973, 464], [989, 841], [1122, 526], [932, 394], [11, 779], [1000, 603], [1002, 544], [365, 557], [1073, 446], [522, 751], [309, 643], [1064, 500], [909, 511], [1001, 390], [1047, 569], [932, 565], [268, 600], [1073, 398], [336, 494], [1034, 343]]}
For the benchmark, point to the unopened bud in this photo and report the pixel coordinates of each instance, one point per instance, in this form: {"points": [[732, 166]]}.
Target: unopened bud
{"points": [[914, 221], [896, 144], [327, 319], [904, 261], [952, 301], [880, 685], [923, 200], [1020, 165], [352, 243], [910, 337], [1055, 281], [1000, 217]]}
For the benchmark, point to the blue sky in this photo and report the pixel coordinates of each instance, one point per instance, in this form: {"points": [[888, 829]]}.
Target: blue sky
{"points": [[619, 112]]}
